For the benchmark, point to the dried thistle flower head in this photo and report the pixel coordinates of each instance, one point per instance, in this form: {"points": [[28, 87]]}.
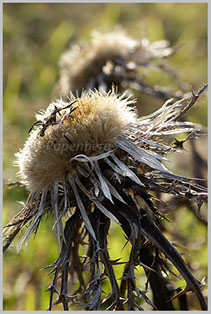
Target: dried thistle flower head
{"points": [[90, 126], [116, 58], [94, 159], [80, 64]]}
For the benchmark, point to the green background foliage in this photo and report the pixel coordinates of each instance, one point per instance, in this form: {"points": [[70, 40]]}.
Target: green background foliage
{"points": [[34, 37]]}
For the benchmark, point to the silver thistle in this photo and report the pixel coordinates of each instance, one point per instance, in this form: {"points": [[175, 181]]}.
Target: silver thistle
{"points": [[104, 149]]}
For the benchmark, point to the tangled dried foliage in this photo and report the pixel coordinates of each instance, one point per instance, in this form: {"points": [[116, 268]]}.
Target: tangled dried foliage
{"points": [[90, 187]]}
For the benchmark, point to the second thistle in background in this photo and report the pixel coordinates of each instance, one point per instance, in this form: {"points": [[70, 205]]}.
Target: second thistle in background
{"points": [[116, 58]]}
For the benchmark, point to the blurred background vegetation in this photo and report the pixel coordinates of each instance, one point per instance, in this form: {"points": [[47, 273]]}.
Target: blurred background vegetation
{"points": [[34, 37]]}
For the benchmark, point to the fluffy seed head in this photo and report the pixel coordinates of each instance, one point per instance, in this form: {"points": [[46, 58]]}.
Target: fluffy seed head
{"points": [[91, 129], [81, 63]]}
